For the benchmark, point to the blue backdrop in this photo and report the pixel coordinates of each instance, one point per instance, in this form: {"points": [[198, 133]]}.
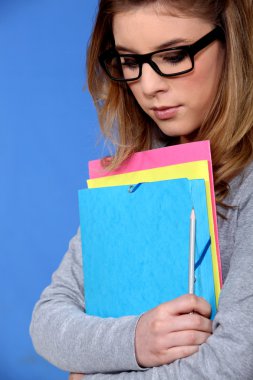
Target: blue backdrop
{"points": [[48, 132]]}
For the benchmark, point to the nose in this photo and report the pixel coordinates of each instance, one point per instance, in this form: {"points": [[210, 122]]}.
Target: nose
{"points": [[151, 82]]}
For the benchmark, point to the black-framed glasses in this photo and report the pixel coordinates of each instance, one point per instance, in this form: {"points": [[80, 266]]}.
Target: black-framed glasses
{"points": [[169, 62]]}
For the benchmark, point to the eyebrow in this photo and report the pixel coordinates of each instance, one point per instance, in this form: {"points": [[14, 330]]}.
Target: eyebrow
{"points": [[165, 45]]}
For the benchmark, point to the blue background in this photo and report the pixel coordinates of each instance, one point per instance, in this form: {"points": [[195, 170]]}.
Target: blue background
{"points": [[48, 132]]}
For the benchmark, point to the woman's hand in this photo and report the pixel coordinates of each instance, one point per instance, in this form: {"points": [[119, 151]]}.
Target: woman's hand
{"points": [[172, 330], [76, 376]]}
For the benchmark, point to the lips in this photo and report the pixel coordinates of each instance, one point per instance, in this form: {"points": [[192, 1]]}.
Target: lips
{"points": [[165, 113]]}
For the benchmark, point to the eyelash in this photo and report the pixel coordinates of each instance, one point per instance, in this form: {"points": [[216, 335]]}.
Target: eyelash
{"points": [[178, 57]]}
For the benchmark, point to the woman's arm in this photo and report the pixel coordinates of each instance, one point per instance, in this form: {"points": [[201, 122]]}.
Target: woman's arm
{"points": [[71, 340]]}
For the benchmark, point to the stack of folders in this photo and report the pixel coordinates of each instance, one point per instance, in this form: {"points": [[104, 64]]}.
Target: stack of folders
{"points": [[135, 229]]}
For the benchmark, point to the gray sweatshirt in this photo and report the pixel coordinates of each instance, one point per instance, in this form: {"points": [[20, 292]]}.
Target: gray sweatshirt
{"points": [[104, 348]]}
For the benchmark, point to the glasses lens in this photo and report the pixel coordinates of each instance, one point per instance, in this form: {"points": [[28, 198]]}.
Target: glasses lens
{"points": [[130, 67], [120, 67], [172, 61]]}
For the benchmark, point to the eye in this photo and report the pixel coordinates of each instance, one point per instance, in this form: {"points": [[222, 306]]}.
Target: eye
{"points": [[173, 57], [129, 63]]}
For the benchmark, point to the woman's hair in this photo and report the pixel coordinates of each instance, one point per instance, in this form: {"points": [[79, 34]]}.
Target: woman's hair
{"points": [[228, 124]]}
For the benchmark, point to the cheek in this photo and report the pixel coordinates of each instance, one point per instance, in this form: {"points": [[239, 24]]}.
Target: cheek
{"points": [[209, 73], [201, 86], [136, 91]]}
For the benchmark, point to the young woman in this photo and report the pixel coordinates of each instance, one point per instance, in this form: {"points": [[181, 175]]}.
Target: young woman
{"points": [[168, 72]]}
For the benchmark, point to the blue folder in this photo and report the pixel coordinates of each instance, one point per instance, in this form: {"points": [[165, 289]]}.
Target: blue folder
{"points": [[135, 244]]}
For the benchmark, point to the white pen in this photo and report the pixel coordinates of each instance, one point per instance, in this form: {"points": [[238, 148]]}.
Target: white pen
{"points": [[192, 252]]}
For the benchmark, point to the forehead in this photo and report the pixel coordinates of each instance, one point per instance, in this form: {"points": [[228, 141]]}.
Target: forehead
{"points": [[142, 29]]}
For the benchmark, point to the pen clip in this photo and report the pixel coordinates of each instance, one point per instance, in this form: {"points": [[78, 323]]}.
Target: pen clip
{"points": [[133, 188]]}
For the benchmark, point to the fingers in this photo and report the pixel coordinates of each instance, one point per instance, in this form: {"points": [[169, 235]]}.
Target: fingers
{"points": [[191, 322], [180, 345], [185, 338], [169, 356], [76, 376], [171, 331], [181, 323], [186, 304]]}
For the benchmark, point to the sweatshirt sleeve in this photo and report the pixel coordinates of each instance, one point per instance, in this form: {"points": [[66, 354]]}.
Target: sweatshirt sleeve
{"points": [[70, 339], [228, 353]]}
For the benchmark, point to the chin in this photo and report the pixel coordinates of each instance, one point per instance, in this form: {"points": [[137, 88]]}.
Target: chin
{"points": [[183, 133]]}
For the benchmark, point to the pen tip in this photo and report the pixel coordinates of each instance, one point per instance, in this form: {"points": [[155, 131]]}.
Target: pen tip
{"points": [[192, 214]]}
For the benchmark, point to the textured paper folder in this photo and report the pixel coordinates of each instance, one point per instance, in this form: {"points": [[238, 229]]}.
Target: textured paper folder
{"points": [[136, 246], [190, 170], [171, 155]]}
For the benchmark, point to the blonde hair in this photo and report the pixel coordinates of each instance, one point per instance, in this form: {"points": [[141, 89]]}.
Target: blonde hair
{"points": [[229, 122]]}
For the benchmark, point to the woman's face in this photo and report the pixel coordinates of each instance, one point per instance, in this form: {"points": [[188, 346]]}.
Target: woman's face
{"points": [[178, 105]]}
